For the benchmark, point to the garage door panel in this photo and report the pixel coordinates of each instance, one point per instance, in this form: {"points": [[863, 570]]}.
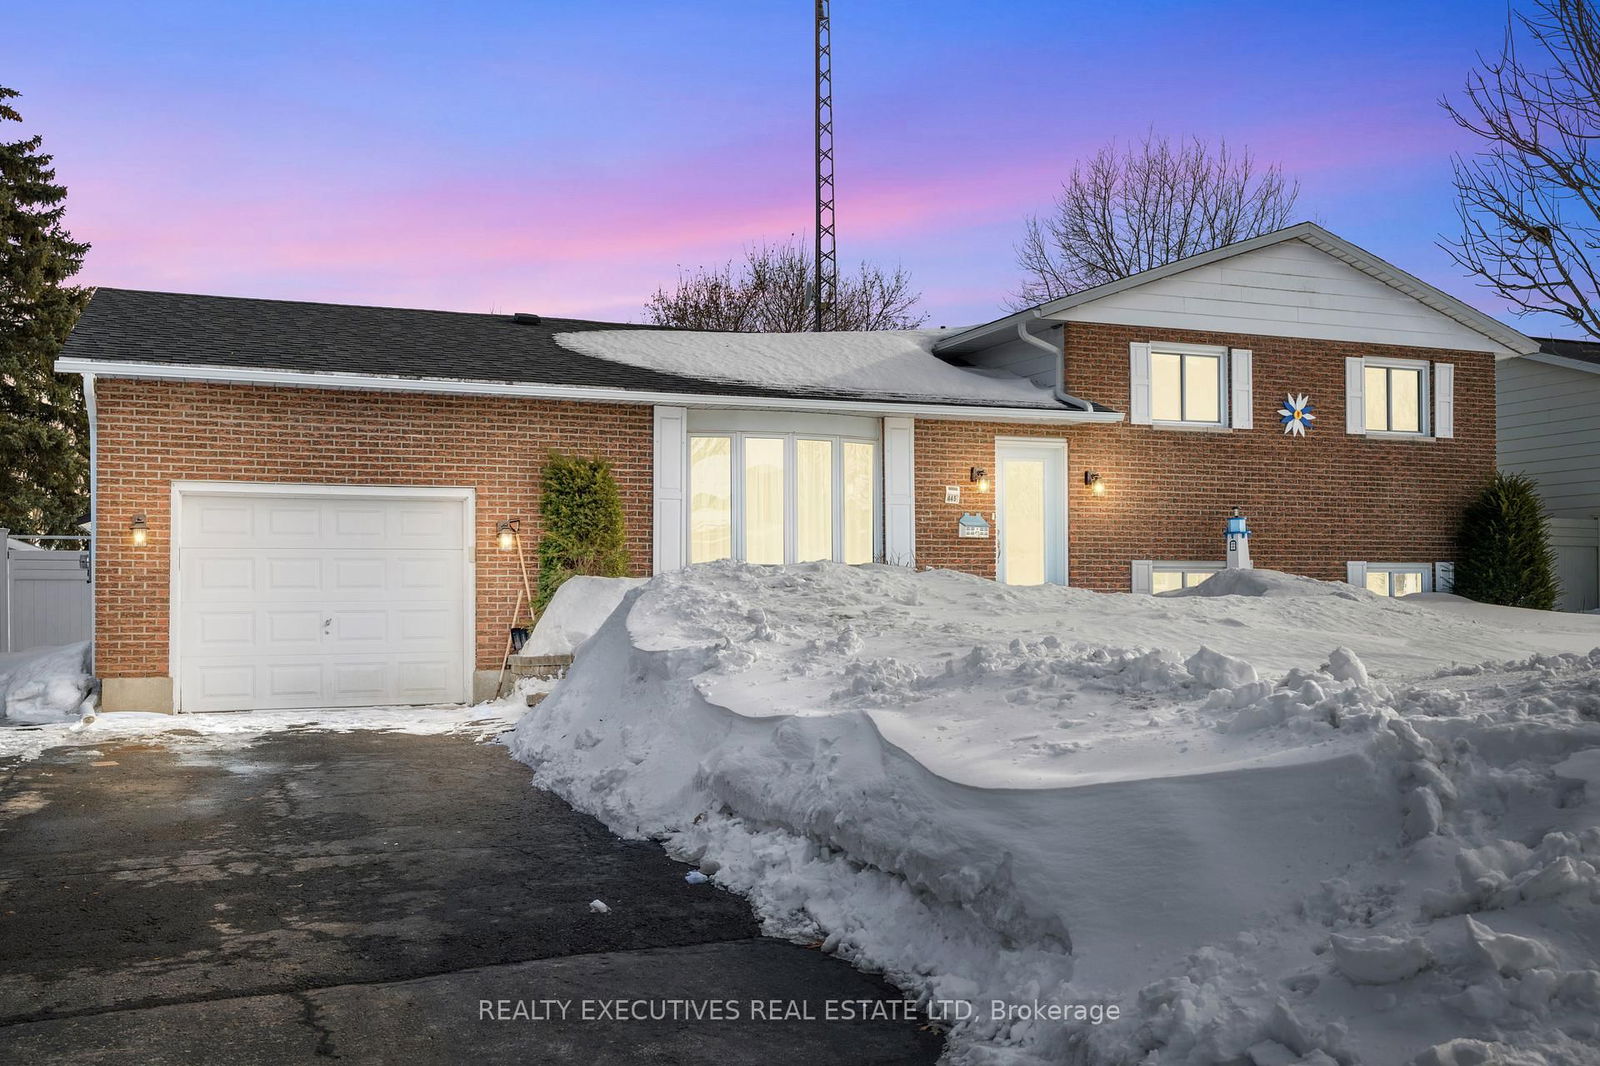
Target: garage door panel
{"points": [[222, 630], [293, 573], [321, 602], [354, 683], [226, 577], [219, 521], [352, 628], [295, 679], [364, 572], [291, 629], [223, 685], [425, 680], [286, 523], [435, 572], [414, 626]]}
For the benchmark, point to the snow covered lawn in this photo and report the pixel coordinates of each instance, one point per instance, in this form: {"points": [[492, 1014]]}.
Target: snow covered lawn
{"points": [[1268, 820]]}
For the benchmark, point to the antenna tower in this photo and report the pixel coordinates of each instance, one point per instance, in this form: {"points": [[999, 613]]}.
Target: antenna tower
{"points": [[827, 255]]}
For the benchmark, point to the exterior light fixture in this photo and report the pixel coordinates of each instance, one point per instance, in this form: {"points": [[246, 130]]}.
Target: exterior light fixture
{"points": [[506, 533], [980, 477], [1092, 479], [139, 531]]}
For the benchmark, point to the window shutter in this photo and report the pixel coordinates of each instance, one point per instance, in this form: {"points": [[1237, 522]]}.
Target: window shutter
{"points": [[670, 521], [1243, 389], [1444, 577], [1355, 400], [899, 492], [1141, 575], [1356, 573], [1139, 383], [1444, 399]]}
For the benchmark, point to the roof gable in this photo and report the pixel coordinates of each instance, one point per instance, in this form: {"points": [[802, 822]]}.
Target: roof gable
{"points": [[1297, 282]]}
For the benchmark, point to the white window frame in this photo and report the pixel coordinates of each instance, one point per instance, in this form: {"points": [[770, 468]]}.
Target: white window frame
{"points": [[737, 438], [1145, 570], [1221, 354], [1423, 570], [1424, 396]]}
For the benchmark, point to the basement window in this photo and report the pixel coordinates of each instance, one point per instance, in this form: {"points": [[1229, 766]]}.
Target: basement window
{"points": [[1156, 576], [1169, 577], [1399, 579]]}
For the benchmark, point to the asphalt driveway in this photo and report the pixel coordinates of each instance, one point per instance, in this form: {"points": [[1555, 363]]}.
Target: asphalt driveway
{"points": [[312, 895]]}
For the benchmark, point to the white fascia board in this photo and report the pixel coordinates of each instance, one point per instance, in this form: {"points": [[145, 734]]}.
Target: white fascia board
{"points": [[1564, 362], [1514, 342], [578, 393]]}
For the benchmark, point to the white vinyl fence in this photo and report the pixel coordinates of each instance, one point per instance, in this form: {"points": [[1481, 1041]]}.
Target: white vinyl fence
{"points": [[1577, 545], [46, 595]]}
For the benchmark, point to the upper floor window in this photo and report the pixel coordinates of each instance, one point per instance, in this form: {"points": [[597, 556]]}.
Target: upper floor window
{"points": [[1186, 386], [1189, 386], [1395, 396]]}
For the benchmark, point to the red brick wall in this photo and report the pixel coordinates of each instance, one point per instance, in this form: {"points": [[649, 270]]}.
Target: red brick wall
{"points": [[1313, 503], [153, 433]]}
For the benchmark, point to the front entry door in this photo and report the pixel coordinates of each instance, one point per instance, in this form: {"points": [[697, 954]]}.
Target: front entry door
{"points": [[1031, 512]]}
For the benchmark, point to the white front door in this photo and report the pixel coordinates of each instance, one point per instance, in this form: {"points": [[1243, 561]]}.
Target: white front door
{"points": [[1031, 512], [330, 599]]}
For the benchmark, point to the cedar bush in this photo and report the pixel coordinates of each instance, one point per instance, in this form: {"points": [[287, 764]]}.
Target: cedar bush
{"points": [[581, 512], [1505, 554]]}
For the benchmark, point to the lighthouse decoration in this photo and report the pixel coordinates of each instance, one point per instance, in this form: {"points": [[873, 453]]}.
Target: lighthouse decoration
{"points": [[1238, 535]]}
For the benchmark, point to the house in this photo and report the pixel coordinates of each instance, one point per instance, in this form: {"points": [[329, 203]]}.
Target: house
{"points": [[317, 488], [1547, 407]]}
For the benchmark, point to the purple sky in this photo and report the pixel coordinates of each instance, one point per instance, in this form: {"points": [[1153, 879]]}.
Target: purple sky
{"points": [[568, 158]]}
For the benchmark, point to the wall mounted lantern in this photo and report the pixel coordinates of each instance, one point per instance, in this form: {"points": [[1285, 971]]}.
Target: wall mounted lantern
{"points": [[1092, 479], [980, 477], [139, 531], [506, 533]]}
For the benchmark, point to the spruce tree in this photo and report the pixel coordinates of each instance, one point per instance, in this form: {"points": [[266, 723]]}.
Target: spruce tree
{"points": [[43, 429], [580, 512], [1505, 554]]}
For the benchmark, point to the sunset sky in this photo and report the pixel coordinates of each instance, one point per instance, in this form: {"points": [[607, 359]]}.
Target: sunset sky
{"points": [[569, 158]]}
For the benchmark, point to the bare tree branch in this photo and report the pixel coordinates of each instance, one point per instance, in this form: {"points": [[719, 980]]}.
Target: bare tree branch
{"points": [[1529, 201], [1156, 202], [772, 291]]}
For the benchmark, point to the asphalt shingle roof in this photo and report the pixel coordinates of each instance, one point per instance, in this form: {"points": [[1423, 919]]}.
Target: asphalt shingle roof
{"points": [[180, 329], [1582, 351]]}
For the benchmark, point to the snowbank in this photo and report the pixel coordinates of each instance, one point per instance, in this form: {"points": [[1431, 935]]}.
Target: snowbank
{"points": [[578, 608], [878, 363], [1255, 822], [45, 684]]}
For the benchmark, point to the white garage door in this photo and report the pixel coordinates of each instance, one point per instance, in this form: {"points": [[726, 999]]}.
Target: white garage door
{"points": [[338, 600]]}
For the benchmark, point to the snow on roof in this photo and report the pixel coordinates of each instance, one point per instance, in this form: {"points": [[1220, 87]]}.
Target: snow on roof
{"points": [[880, 363]]}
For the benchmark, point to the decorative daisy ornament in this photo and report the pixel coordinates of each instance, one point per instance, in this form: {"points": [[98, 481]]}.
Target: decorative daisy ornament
{"points": [[1295, 414]]}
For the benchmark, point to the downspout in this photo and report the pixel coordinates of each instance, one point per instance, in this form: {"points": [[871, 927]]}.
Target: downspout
{"points": [[94, 506], [1059, 361]]}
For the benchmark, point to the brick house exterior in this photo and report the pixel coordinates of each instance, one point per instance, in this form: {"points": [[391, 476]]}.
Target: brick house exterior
{"points": [[223, 398], [1314, 502]]}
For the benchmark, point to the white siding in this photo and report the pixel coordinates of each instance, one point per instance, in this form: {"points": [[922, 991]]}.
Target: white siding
{"points": [[1548, 421], [1286, 290]]}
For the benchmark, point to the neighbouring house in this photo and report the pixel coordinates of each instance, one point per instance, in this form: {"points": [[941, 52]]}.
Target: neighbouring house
{"points": [[318, 486], [1547, 407]]}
